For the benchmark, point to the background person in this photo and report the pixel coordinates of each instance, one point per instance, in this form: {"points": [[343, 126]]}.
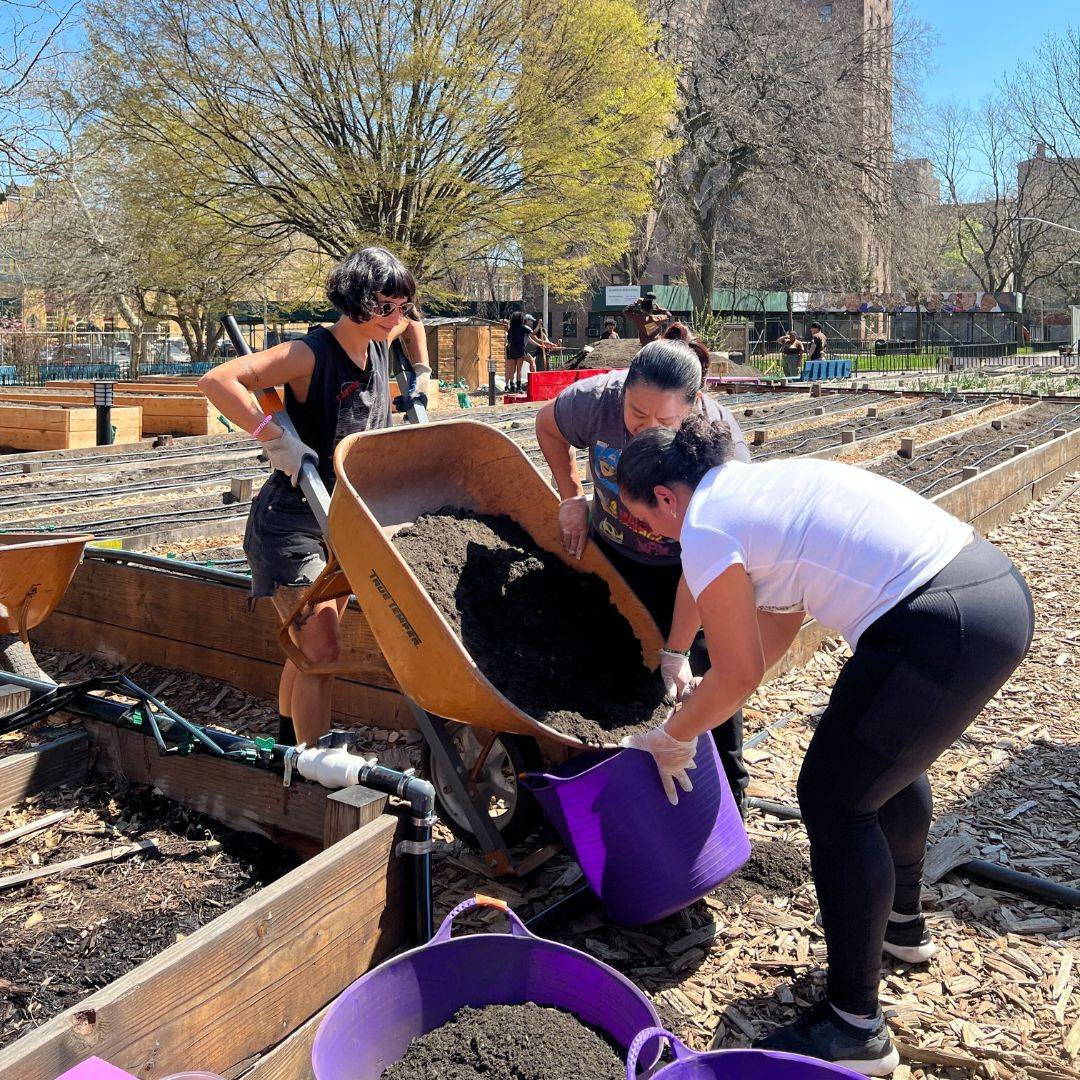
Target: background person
{"points": [[791, 350], [937, 619], [817, 343], [337, 382], [542, 345], [648, 317], [601, 414], [610, 333]]}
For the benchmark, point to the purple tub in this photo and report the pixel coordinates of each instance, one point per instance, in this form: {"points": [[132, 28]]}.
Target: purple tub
{"points": [[642, 856], [371, 1024], [730, 1064]]}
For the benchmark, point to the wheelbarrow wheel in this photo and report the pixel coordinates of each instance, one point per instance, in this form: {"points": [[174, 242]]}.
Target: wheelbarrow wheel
{"points": [[512, 807], [16, 657]]}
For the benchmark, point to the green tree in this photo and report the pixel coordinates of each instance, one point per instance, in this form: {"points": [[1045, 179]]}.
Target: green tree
{"points": [[435, 127]]}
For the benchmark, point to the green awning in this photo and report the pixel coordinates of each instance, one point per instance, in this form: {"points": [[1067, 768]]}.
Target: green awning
{"points": [[676, 298]]}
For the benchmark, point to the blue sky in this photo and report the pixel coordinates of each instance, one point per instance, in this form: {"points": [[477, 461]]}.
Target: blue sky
{"points": [[980, 41]]}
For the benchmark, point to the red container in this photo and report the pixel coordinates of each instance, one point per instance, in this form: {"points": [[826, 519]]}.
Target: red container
{"points": [[544, 385]]}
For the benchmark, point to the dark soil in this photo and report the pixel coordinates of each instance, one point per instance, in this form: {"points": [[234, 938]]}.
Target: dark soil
{"points": [[62, 938], [511, 1042], [546, 635], [775, 868], [940, 467], [806, 442]]}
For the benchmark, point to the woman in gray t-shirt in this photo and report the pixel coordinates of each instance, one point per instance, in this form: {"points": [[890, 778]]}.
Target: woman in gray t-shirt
{"points": [[600, 415]]}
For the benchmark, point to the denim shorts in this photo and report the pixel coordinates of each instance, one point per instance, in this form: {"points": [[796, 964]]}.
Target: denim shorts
{"points": [[283, 542]]}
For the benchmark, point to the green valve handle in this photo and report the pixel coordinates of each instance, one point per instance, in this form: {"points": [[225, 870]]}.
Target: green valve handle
{"points": [[265, 743]]}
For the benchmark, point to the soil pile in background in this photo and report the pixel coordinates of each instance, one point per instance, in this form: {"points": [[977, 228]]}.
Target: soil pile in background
{"points": [[546, 635], [526, 1042]]}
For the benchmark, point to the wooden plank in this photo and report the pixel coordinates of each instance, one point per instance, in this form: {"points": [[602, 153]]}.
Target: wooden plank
{"points": [[972, 498], [112, 854], [235, 794], [211, 615], [350, 809], [291, 1058], [354, 702], [35, 826], [62, 761], [231, 989]]}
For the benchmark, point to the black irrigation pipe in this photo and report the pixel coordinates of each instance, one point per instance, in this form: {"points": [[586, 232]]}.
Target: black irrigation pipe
{"points": [[160, 562], [135, 521], [173, 734], [192, 480], [148, 454], [1013, 880]]}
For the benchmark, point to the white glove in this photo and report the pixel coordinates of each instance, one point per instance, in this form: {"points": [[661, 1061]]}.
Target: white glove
{"points": [[287, 454], [676, 673], [674, 759], [574, 524]]}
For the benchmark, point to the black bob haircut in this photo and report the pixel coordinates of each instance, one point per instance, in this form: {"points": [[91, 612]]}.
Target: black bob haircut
{"points": [[353, 283], [815, 326]]}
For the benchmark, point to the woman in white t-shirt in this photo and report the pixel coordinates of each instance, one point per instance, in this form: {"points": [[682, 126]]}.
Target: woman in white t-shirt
{"points": [[937, 619]]}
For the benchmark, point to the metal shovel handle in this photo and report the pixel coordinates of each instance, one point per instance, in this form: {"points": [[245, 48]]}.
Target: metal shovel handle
{"points": [[270, 402]]}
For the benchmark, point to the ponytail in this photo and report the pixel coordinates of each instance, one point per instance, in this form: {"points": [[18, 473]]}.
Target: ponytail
{"points": [[678, 331], [662, 457]]}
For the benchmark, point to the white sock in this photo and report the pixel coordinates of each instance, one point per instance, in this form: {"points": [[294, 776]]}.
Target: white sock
{"points": [[867, 1023], [896, 916]]}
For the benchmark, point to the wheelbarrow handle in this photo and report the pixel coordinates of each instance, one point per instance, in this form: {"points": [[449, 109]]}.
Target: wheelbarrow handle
{"points": [[270, 402]]}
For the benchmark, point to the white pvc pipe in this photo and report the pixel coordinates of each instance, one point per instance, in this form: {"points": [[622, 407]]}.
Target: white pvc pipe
{"points": [[333, 767]]}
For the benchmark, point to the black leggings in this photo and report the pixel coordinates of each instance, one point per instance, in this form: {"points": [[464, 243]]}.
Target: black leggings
{"points": [[920, 675], [655, 587]]}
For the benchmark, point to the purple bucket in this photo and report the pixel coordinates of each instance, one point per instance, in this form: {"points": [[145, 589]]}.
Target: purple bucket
{"points": [[371, 1024], [642, 856], [730, 1064]]}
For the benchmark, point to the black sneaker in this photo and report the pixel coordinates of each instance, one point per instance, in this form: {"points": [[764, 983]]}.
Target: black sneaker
{"points": [[821, 1034], [909, 941]]}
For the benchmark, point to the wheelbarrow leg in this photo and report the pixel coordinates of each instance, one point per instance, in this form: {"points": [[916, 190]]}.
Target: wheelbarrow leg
{"points": [[496, 854]]}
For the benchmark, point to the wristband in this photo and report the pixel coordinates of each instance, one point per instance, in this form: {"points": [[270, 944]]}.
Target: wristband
{"points": [[675, 652], [262, 424]]}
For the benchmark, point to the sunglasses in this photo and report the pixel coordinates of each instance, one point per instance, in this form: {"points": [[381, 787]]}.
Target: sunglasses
{"points": [[388, 307]]}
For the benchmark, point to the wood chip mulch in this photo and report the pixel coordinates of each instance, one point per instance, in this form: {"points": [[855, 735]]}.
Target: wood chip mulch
{"points": [[1001, 999]]}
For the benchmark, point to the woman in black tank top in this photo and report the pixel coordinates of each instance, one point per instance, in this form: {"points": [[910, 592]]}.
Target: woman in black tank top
{"points": [[337, 382]]}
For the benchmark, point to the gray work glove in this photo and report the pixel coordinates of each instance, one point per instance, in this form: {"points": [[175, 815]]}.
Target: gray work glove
{"points": [[287, 454]]}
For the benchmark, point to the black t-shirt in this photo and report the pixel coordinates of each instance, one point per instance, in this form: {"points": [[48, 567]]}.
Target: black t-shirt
{"points": [[342, 398], [517, 340]]}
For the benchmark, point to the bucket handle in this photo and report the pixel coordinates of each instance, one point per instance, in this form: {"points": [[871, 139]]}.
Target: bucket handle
{"points": [[517, 927], [680, 1050]]}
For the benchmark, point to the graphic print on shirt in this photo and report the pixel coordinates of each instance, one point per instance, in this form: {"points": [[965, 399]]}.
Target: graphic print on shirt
{"points": [[610, 512], [356, 400]]}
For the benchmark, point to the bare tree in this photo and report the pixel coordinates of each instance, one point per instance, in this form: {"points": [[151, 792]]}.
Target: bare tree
{"points": [[1044, 105], [1004, 203], [29, 33], [772, 94]]}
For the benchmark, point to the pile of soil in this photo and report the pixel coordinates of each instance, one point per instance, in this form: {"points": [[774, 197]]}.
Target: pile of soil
{"points": [[546, 635], [515, 1042], [775, 868], [65, 937]]}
